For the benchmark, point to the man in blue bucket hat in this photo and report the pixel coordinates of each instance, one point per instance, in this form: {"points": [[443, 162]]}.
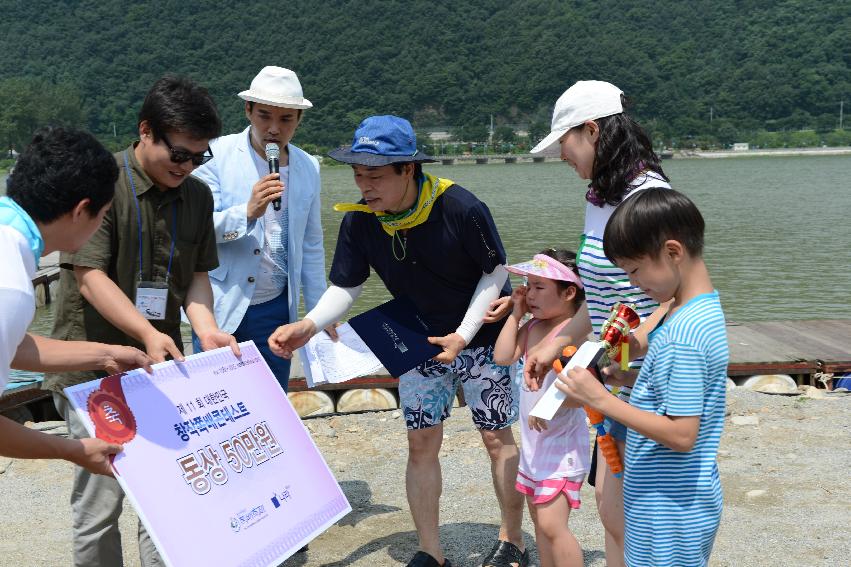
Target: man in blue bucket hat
{"points": [[434, 242]]}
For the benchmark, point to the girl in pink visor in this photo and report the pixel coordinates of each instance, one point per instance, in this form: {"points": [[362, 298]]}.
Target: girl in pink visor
{"points": [[555, 454]]}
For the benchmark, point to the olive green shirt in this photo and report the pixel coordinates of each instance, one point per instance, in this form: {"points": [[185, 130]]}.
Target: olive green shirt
{"points": [[183, 215]]}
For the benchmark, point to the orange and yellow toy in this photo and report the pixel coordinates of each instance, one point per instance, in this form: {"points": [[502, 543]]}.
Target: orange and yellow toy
{"points": [[614, 339]]}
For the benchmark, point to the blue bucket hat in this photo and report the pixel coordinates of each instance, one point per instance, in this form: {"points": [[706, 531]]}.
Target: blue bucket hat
{"points": [[382, 140]]}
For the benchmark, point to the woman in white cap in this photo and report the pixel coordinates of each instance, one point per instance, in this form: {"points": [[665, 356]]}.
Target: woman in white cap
{"points": [[268, 231], [606, 146]]}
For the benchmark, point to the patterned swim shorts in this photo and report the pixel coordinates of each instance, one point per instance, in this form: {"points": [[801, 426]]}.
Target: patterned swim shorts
{"points": [[542, 491], [426, 392]]}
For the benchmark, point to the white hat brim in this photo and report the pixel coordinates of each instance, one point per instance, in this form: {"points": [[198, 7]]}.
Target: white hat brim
{"points": [[551, 139], [284, 101]]}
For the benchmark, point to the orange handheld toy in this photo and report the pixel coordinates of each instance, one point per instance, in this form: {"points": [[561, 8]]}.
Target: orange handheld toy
{"points": [[614, 339], [604, 440]]}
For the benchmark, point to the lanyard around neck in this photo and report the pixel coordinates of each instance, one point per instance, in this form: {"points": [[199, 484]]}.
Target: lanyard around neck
{"points": [[139, 222]]}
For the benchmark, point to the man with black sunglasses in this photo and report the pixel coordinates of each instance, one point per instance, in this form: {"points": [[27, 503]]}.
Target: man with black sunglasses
{"points": [[180, 155], [126, 286]]}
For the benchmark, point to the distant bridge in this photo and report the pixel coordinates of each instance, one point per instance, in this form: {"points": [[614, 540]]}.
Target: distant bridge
{"points": [[483, 159]]}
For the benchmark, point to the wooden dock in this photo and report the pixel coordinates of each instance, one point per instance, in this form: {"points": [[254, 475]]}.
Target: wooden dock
{"points": [[802, 349], [798, 348], [48, 272]]}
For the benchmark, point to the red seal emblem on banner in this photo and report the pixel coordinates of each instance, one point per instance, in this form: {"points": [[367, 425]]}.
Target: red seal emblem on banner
{"points": [[113, 420]]}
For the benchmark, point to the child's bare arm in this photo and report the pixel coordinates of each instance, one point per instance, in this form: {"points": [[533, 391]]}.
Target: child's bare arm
{"points": [[541, 358], [508, 347], [638, 340], [678, 433]]}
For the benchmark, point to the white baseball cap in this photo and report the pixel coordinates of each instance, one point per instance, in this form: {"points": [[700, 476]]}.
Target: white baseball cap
{"points": [[585, 100], [276, 86]]}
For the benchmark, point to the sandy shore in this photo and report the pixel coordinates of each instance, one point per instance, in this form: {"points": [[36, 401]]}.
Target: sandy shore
{"points": [[784, 465]]}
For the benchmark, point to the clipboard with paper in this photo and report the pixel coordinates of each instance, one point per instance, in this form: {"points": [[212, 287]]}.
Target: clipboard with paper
{"points": [[393, 335]]}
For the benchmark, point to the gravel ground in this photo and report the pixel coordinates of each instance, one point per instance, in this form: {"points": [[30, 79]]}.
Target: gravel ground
{"points": [[784, 475]]}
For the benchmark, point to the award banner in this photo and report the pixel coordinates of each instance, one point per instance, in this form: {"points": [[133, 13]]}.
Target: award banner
{"points": [[216, 462]]}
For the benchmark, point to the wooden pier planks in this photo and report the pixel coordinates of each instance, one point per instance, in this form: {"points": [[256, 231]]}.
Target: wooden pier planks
{"points": [[762, 347], [789, 347], [47, 272]]}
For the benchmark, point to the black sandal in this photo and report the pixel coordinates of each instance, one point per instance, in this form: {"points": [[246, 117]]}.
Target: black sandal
{"points": [[423, 559], [504, 554]]}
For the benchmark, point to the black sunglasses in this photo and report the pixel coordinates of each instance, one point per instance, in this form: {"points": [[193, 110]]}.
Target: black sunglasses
{"points": [[182, 156]]}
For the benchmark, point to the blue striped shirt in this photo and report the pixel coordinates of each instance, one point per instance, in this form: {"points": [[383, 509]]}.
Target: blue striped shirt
{"points": [[672, 500]]}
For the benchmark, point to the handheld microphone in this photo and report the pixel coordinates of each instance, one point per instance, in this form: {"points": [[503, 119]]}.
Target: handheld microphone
{"points": [[273, 156]]}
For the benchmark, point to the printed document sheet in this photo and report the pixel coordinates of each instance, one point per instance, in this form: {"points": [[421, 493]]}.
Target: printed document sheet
{"points": [[329, 362]]}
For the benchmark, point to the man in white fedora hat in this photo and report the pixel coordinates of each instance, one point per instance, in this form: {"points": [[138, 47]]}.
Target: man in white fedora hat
{"points": [[268, 230]]}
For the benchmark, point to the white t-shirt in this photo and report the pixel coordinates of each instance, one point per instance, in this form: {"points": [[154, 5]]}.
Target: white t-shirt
{"points": [[17, 299], [272, 277]]}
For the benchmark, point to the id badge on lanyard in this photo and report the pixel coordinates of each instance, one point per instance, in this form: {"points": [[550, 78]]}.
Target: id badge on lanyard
{"points": [[151, 297]]}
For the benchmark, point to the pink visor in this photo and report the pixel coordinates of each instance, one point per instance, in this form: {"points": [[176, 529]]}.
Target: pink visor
{"points": [[546, 267]]}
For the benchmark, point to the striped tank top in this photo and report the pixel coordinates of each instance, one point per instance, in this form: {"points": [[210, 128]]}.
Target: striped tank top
{"points": [[606, 284]]}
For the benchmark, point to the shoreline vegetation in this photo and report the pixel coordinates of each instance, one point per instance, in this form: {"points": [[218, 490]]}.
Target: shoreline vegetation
{"points": [[696, 75], [767, 152], [7, 164], [678, 154]]}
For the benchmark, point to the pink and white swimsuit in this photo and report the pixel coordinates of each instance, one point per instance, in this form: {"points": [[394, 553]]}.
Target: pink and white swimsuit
{"points": [[555, 460]]}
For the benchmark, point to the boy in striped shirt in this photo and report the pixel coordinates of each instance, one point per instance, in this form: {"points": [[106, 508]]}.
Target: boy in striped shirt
{"points": [[672, 491]]}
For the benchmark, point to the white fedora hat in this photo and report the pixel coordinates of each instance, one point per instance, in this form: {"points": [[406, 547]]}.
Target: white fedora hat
{"points": [[585, 100], [276, 86]]}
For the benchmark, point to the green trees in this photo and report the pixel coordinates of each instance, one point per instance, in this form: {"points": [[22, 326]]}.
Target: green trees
{"points": [[504, 134], [28, 103], [750, 65]]}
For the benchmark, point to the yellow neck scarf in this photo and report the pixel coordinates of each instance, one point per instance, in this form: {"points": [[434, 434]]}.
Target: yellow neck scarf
{"points": [[432, 188]]}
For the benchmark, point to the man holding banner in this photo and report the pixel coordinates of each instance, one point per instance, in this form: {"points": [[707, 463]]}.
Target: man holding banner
{"points": [[435, 243], [148, 260], [62, 187]]}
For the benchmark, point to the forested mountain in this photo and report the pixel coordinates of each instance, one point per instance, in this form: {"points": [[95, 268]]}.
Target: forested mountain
{"points": [[750, 64]]}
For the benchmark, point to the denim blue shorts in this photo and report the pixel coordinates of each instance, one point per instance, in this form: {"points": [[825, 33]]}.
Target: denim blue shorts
{"points": [[615, 428]]}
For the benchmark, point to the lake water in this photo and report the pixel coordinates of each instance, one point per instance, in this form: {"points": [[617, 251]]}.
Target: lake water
{"points": [[778, 241]]}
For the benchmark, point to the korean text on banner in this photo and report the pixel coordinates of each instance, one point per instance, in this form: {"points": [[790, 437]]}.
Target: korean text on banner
{"points": [[216, 461]]}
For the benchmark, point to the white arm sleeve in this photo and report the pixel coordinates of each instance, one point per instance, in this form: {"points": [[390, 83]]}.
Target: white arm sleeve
{"points": [[334, 303], [487, 291]]}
